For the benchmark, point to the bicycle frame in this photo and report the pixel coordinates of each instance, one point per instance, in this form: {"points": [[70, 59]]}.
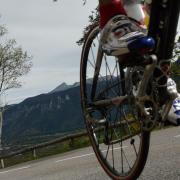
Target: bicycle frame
{"points": [[163, 28], [164, 34], [120, 102]]}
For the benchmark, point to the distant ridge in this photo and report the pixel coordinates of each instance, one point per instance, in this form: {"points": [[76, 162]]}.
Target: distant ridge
{"points": [[57, 112], [64, 87], [44, 115]]}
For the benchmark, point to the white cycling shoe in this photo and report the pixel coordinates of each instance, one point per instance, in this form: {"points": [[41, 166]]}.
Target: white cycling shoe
{"points": [[122, 35]]}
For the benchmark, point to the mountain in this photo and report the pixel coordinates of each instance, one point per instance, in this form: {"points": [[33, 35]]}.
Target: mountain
{"points": [[43, 115], [63, 87], [46, 115]]}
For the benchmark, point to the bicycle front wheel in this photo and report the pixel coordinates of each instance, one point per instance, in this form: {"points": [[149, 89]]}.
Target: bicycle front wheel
{"points": [[120, 144]]}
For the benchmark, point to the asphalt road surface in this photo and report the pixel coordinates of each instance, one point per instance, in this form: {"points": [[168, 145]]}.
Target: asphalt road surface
{"points": [[163, 163]]}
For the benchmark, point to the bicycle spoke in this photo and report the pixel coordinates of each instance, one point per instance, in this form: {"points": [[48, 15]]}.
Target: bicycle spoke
{"points": [[113, 156], [93, 56], [108, 70], [130, 132], [107, 152], [115, 129], [127, 160], [122, 160]]}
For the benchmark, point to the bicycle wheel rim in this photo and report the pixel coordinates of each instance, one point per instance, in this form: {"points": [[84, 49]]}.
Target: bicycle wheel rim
{"points": [[140, 161]]}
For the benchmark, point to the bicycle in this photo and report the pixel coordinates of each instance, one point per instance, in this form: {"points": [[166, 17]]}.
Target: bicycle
{"points": [[120, 102]]}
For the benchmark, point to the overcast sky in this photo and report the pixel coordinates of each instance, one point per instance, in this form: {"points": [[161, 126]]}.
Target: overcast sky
{"points": [[48, 31]]}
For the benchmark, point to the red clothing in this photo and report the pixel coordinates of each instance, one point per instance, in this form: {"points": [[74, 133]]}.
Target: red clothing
{"points": [[109, 10]]}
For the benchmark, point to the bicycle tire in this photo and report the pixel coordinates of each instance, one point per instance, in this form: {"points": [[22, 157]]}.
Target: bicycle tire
{"points": [[98, 140]]}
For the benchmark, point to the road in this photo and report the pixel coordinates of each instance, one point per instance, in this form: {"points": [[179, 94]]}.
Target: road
{"points": [[163, 163]]}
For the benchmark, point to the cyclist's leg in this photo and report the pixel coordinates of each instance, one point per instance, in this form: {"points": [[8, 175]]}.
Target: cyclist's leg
{"points": [[164, 36], [108, 9]]}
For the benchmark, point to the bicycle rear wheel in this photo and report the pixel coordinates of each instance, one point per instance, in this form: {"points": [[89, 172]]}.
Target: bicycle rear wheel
{"points": [[115, 132]]}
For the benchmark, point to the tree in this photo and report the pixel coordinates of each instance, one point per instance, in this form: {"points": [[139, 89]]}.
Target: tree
{"points": [[14, 63], [93, 20]]}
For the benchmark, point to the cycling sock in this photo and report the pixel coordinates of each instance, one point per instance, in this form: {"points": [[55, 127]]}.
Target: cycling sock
{"points": [[107, 11]]}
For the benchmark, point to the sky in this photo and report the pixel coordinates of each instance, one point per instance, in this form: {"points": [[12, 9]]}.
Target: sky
{"points": [[48, 31]]}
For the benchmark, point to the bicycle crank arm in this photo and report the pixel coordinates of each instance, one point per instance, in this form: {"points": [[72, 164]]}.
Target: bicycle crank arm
{"points": [[147, 74], [117, 101], [166, 110]]}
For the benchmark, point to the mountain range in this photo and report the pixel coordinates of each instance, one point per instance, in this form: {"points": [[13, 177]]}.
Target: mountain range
{"points": [[57, 112], [64, 86], [46, 116]]}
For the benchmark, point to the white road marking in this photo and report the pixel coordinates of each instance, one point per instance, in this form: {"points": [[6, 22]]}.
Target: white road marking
{"points": [[85, 155], [75, 157], [177, 136], [17, 169], [123, 147]]}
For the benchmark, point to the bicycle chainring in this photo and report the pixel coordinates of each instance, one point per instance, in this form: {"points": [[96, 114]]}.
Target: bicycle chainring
{"points": [[148, 110]]}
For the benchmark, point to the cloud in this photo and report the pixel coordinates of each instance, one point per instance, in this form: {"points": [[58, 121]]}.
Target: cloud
{"points": [[48, 31], [42, 80]]}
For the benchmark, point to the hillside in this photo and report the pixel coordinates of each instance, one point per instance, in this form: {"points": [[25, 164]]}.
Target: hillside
{"points": [[46, 116], [43, 115]]}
